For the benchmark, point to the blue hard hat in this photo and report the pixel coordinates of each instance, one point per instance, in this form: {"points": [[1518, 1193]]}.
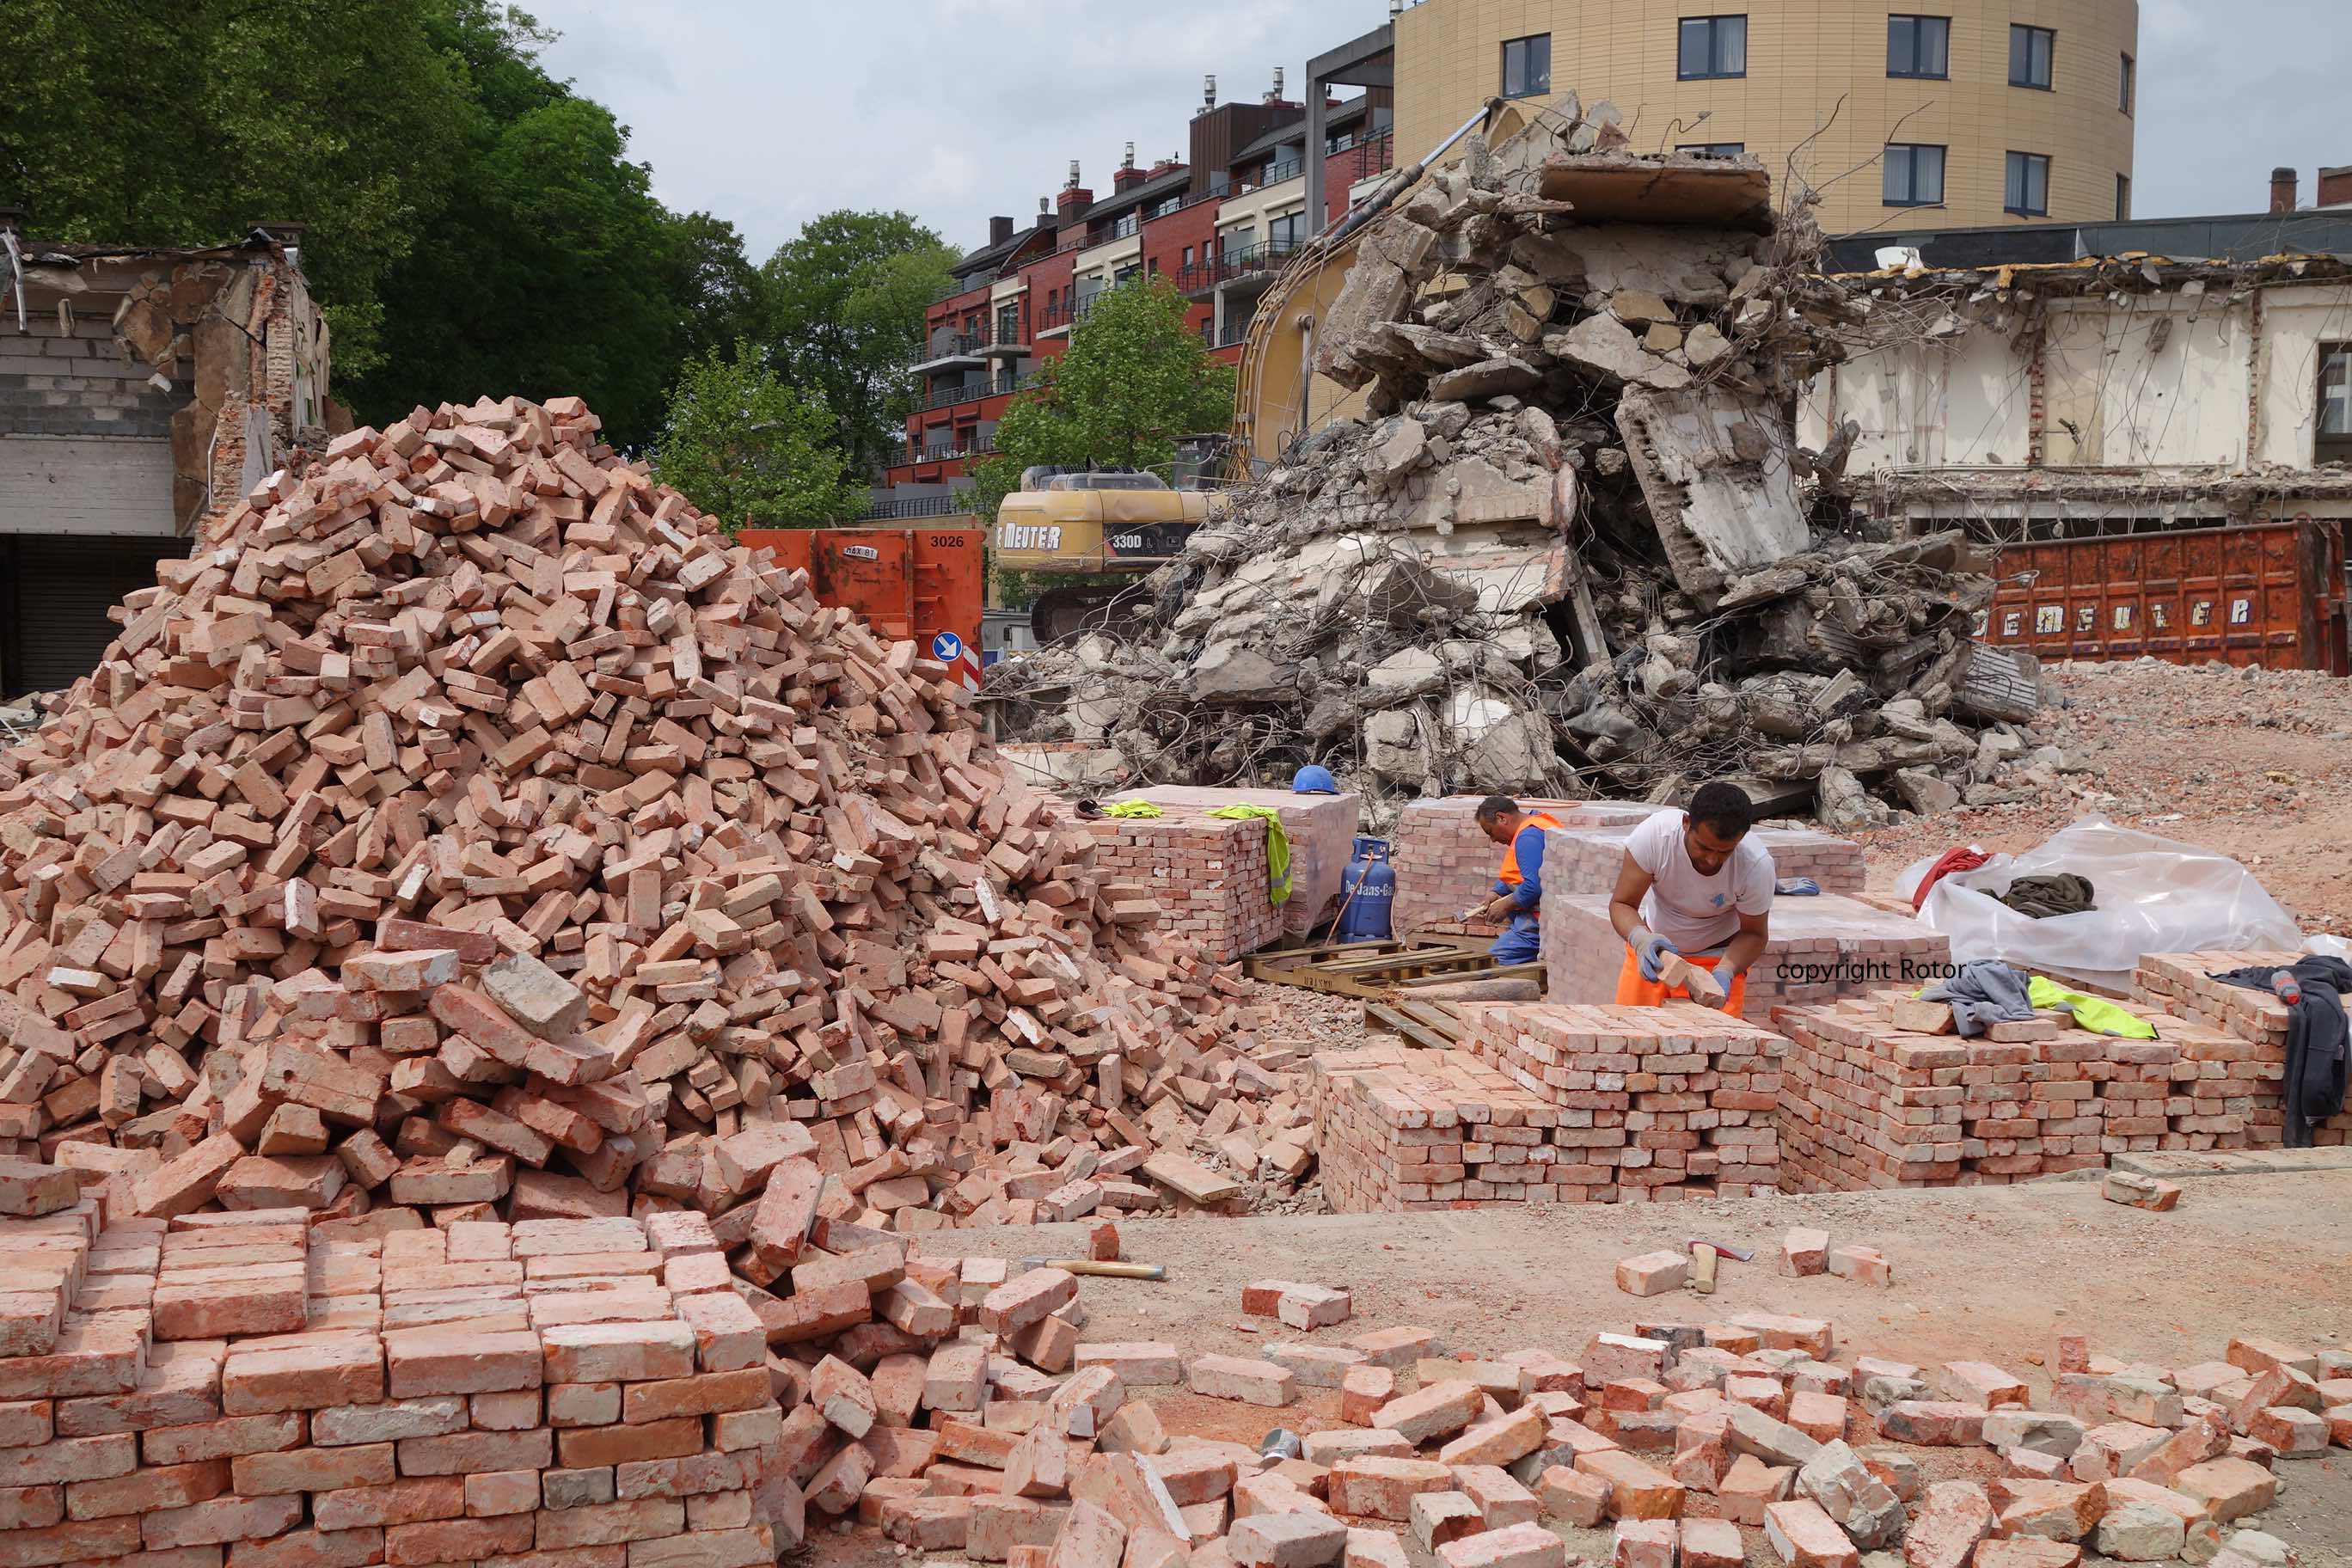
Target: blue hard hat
{"points": [[1314, 779]]}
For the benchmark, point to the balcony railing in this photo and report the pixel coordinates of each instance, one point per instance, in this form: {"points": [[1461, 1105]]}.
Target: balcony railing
{"points": [[913, 506], [1289, 169], [948, 345], [1069, 315], [973, 392], [1247, 262], [949, 454]]}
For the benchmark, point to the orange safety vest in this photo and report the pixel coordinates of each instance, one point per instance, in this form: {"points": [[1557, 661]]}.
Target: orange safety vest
{"points": [[1510, 875]]}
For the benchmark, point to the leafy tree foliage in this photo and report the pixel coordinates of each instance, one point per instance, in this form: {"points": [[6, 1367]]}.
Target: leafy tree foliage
{"points": [[747, 449], [846, 300]]}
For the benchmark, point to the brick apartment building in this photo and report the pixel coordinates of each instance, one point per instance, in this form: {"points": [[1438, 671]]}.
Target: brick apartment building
{"points": [[1219, 222]]}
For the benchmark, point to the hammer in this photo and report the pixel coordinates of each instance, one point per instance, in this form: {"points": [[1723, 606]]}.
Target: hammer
{"points": [[1703, 1255]]}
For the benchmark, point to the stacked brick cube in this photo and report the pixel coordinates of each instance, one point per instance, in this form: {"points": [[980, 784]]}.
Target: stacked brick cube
{"points": [[1821, 948], [1321, 829], [216, 1382], [1206, 876], [2243, 1085], [1864, 1104], [1553, 1104]]}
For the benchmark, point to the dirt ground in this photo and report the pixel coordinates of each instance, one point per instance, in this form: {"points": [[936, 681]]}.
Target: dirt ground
{"points": [[1983, 1273], [2251, 763]]}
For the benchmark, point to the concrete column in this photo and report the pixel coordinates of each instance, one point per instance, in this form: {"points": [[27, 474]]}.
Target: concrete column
{"points": [[1311, 157]]}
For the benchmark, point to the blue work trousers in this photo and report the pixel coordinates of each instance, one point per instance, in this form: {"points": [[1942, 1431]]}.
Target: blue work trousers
{"points": [[1520, 939]]}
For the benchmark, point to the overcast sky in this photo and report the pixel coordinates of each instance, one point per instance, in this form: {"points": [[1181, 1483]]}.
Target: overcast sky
{"points": [[768, 112]]}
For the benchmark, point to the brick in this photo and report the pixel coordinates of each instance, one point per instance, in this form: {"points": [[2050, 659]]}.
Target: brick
{"points": [[1653, 1273], [623, 1353], [1287, 1540], [1439, 1410], [1573, 1497], [1802, 1536], [401, 1502], [1237, 1378], [219, 1520], [314, 1469], [1644, 1543], [1373, 1486], [303, 1377], [1636, 1490], [456, 1540], [144, 1490], [1520, 1546]]}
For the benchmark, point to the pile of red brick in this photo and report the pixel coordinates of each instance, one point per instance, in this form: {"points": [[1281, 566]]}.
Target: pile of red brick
{"points": [[1877, 1091], [469, 824], [1205, 876], [1866, 1102], [1821, 948], [1549, 1103], [1321, 832], [590, 1390], [2183, 983]]}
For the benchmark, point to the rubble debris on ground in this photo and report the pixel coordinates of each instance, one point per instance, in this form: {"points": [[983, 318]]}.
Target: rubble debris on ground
{"points": [[598, 1392], [1573, 548], [468, 826]]}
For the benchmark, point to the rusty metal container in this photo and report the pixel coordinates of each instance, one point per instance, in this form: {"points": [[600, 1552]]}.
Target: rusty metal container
{"points": [[924, 583], [2272, 594]]}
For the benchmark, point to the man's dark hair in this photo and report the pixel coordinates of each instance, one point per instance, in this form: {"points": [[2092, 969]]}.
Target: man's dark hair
{"points": [[1723, 807], [1495, 807]]}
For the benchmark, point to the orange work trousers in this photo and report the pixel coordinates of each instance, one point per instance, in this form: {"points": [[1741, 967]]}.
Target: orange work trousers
{"points": [[1632, 991]]}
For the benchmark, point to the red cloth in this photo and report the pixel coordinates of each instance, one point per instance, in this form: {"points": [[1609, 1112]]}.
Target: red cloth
{"points": [[1957, 859]]}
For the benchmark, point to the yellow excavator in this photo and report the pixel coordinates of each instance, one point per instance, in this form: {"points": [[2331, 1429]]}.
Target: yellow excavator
{"points": [[1118, 525]]}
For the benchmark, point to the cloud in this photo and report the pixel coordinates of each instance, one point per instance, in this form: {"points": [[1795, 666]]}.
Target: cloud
{"points": [[768, 112]]}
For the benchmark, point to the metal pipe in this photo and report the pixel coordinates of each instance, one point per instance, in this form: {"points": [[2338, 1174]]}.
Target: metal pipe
{"points": [[1404, 180], [16, 265]]}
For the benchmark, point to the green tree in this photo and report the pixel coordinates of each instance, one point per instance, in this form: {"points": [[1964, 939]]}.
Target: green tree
{"points": [[846, 304], [1136, 377], [744, 447], [127, 121]]}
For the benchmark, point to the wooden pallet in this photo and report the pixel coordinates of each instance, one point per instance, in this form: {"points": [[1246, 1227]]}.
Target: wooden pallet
{"points": [[1375, 970], [1432, 1026]]}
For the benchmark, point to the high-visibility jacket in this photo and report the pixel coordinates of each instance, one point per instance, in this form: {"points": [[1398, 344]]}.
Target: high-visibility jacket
{"points": [[1510, 875]]}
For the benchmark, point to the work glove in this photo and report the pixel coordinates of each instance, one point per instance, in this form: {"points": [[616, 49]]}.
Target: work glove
{"points": [[1724, 975], [1649, 948]]}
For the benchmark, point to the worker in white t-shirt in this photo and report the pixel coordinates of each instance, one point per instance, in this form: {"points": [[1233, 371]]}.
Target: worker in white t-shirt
{"points": [[1695, 883]]}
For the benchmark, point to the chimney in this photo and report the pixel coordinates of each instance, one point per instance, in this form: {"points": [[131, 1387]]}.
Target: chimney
{"points": [[1208, 92], [1128, 174], [286, 237], [1046, 219], [2281, 190], [1073, 200], [1000, 229], [1276, 96]]}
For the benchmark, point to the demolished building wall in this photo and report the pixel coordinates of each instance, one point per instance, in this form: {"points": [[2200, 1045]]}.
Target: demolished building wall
{"points": [[2127, 388], [1573, 547]]}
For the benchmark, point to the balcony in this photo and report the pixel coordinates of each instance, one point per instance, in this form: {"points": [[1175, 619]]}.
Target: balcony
{"points": [[1060, 318], [914, 506], [1252, 266], [952, 451], [973, 392], [1289, 169], [947, 351], [1001, 344]]}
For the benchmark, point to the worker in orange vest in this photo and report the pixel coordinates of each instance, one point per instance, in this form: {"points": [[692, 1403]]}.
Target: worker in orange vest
{"points": [[1519, 886], [1693, 882]]}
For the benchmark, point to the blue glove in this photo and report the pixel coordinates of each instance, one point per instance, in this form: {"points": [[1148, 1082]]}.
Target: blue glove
{"points": [[1724, 975], [1797, 887], [1649, 947]]}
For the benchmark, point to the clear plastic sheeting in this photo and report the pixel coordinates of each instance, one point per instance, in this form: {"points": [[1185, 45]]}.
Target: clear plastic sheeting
{"points": [[2153, 895]]}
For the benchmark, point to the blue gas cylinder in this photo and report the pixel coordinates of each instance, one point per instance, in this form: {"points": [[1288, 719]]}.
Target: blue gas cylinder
{"points": [[1367, 891]]}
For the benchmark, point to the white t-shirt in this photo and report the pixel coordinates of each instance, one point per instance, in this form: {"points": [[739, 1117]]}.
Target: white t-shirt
{"points": [[1697, 913]]}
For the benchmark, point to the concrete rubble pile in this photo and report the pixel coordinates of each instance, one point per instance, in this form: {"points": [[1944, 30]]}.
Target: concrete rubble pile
{"points": [[469, 830], [1572, 545]]}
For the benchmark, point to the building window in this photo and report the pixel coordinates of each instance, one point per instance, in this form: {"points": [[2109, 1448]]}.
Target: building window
{"points": [[2123, 86], [1919, 46], [2026, 190], [1915, 175], [1008, 323], [2029, 53], [1125, 226], [2123, 197], [1526, 66], [1712, 47], [1285, 232], [1188, 258], [1234, 241], [1714, 148], [1127, 273], [2334, 436]]}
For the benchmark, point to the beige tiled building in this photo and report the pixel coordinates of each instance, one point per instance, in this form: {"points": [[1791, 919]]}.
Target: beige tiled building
{"points": [[1956, 86]]}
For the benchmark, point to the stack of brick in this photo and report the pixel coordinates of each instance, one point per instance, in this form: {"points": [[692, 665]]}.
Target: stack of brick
{"points": [[469, 824], [1821, 948], [1552, 1104], [1866, 1102], [2240, 1089], [473, 1393], [1445, 863], [1321, 829], [1204, 878]]}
